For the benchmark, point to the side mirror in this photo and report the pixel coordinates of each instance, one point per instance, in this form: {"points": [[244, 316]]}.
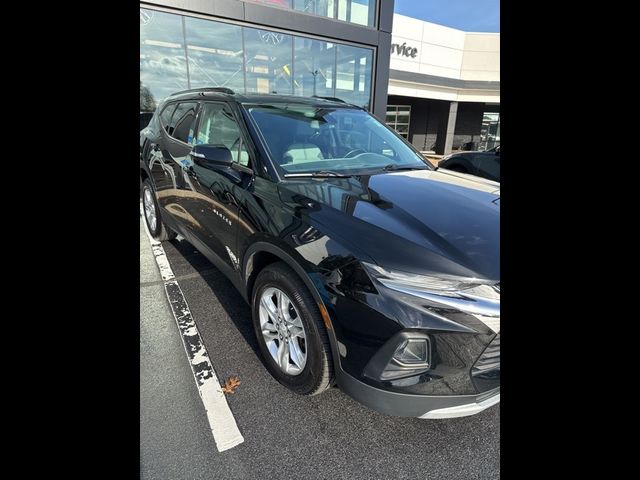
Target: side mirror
{"points": [[211, 156]]}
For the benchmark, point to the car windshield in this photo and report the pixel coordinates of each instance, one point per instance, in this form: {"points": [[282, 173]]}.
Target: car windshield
{"points": [[303, 138]]}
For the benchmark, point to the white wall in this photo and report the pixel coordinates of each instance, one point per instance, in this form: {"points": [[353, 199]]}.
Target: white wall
{"points": [[481, 59], [440, 49], [445, 52]]}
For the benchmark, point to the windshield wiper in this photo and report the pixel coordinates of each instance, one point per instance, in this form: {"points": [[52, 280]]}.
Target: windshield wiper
{"points": [[393, 166], [320, 174]]}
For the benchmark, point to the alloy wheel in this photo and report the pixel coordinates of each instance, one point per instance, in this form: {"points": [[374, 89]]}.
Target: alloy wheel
{"points": [[150, 209], [283, 331]]}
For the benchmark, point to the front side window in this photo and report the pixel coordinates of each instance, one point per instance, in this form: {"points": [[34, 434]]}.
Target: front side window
{"points": [[303, 138], [218, 127], [181, 126]]}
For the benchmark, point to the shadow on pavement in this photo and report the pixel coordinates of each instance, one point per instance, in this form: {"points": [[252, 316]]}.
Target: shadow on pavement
{"points": [[227, 295]]}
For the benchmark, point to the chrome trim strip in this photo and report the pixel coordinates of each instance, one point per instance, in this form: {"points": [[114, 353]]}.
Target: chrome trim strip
{"points": [[462, 410]]}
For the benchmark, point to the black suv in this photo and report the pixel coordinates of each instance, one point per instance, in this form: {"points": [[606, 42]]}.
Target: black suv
{"points": [[362, 264]]}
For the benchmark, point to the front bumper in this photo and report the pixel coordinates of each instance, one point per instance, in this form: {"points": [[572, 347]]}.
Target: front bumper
{"points": [[421, 406]]}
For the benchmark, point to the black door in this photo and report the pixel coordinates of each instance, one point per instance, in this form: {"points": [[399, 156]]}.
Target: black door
{"points": [[161, 178], [489, 166], [211, 201], [171, 152]]}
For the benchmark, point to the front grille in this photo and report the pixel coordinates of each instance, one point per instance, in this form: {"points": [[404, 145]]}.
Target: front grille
{"points": [[490, 358]]}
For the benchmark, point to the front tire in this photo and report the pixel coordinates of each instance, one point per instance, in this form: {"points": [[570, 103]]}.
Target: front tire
{"points": [[290, 331], [156, 226]]}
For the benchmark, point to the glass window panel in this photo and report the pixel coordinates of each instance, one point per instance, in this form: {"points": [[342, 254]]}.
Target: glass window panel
{"points": [[273, 3], [490, 131], [165, 116], [182, 121], [324, 8], [353, 75], [268, 61], [357, 11], [214, 50], [305, 138], [219, 127], [163, 66], [398, 118], [361, 11], [314, 61], [342, 10]]}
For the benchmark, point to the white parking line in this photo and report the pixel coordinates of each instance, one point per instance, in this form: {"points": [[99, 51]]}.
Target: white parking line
{"points": [[223, 425]]}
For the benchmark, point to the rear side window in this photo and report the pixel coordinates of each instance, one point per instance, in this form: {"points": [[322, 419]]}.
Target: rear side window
{"points": [[181, 127], [165, 117]]}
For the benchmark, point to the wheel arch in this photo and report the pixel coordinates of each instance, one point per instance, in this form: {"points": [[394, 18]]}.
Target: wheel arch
{"points": [[261, 254], [145, 173]]}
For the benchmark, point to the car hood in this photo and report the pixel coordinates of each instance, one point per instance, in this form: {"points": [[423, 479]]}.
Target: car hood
{"points": [[420, 221]]}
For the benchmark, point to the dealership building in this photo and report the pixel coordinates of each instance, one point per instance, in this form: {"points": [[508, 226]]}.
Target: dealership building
{"points": [[436, 86]]}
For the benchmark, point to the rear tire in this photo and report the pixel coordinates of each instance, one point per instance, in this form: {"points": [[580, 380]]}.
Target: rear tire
{"points": [[156, 226], [309, 338]]}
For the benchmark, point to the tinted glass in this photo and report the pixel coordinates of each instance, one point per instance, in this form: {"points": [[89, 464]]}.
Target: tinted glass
{"points": [[181, 126], [165, 117], [302, 138]]}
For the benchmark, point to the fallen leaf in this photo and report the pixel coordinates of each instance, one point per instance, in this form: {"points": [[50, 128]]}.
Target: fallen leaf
{"points": [[230, 385]]}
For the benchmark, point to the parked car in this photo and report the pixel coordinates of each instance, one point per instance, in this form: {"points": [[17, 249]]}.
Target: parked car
{"points": [[483, 164], [362, 264]]}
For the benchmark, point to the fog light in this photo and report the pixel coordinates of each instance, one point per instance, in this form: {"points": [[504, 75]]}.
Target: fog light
{"points": [[406, 354], [413, 352]]}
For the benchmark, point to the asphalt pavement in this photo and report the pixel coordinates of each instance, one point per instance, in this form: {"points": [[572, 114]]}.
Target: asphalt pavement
{"points": [[287, 436]]}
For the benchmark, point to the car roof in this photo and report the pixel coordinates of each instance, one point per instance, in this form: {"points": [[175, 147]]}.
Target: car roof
{"points": [[256, 98]]}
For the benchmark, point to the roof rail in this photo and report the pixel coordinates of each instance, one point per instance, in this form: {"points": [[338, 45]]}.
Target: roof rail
{"points": [[206, 89], [333, 99]]}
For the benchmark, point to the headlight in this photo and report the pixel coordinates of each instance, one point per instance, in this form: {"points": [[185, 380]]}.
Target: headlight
{"points": [[440, 283], [477, 297]]}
